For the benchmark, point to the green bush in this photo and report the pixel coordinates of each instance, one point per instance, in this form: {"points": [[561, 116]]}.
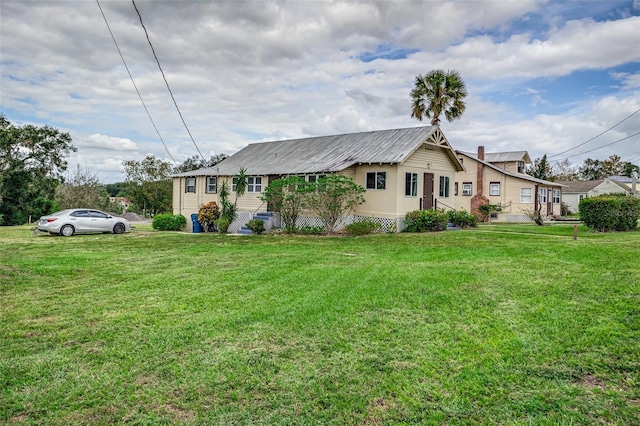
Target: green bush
{"points": [[425, 221], [223, 224], [611, 212], [462, 219], [362, 227], [310, 230], [169, 222], [256, 226], [486, 210]]}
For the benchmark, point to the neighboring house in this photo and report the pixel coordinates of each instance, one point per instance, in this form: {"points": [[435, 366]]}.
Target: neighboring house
{"points": [[500, 179], [578, 189], [631, 183], [402, 170], [123, 202]]}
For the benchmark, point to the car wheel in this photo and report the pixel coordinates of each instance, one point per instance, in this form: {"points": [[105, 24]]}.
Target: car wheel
{"points": [[118, 228], [67, 231]]}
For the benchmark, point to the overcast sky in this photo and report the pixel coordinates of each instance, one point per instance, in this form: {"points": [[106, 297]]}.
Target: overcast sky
{"points": [[542, 76]]}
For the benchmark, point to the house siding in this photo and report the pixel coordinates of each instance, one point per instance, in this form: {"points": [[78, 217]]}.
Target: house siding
{"points": [[510, 189]]}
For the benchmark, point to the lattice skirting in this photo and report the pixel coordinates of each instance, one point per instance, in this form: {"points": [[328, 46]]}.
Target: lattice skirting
{"points": [[386, 225], [241, 219], [522, 218]]}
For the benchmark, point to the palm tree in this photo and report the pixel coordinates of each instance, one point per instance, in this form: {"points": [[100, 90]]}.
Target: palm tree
{"points": [[438, 92]]}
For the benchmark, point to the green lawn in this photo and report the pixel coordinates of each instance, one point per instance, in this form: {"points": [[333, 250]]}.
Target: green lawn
{"points": [[499, 325]]}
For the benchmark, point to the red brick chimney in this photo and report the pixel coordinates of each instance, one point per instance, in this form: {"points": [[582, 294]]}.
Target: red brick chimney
{"points": [[479, 175]]}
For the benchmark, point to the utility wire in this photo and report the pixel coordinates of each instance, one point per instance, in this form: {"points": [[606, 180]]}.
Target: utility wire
{"points": [[166, 82], [597, 136], [134, 84], [595, 149]]}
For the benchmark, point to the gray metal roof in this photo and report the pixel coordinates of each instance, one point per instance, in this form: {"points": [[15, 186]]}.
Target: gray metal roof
{"points": [[501, 157], [324, 154], [516, 175]]}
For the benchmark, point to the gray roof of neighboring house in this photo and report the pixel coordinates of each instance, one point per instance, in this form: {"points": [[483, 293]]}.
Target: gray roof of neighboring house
{"points": [[618, 178], [516, 175], [584, 186], [324, 154], [580, 186], [501, 157]]}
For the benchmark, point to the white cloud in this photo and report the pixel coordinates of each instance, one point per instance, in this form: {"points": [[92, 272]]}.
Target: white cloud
{"points": [[242, 73]]}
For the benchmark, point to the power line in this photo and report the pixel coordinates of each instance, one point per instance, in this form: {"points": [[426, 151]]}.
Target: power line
{"points": [[597, 136], [134, 84], [595, 149], [165, 80]]}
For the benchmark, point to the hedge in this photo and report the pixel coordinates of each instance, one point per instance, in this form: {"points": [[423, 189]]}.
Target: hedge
{"points": [[425, 221], [169, 222], [611, 212]]}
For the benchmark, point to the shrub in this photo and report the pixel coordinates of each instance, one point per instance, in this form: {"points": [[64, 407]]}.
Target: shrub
{"points": [[223, 224], [310, 230], [207, 216], [287, 196], [333, 196], [462, 219], [486, 210], [169, 222], [425, 221], [611, 212], [362, 227], [256, 226]]}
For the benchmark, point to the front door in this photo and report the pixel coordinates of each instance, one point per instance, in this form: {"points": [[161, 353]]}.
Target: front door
{"points": [[427, 193]]}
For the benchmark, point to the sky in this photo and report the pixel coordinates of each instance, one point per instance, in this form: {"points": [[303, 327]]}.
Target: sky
{"points": [[542, 76]]}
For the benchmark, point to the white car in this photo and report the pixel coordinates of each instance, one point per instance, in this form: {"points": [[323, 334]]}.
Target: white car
{"points": [[82, 221]]}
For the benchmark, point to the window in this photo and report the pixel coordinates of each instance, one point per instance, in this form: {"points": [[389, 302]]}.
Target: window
{"points": [[99, 214], [190, 184], [444, 186], [520, 166], [467, 188], [411, 185], [376, 180], [254, 184], [314, 178], [80, 213], [543, 195], [494, 188], [525, 195], [212, 184], [234, 184], [455, 188], [556, 196]]}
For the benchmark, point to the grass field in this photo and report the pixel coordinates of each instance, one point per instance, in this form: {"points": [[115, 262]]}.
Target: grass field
{"points": [[499, 325]]}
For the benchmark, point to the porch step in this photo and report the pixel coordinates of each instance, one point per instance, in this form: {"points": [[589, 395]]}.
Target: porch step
{"points": [[264, 216], [452, 227], [244, 231]]}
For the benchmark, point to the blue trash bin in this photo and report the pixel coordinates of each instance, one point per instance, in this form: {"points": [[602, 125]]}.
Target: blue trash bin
{"points": [[196, 225]]}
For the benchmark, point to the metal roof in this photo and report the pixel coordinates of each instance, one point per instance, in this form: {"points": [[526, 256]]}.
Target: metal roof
{"points": [[325, 154], [500, 157], [516, 175]]}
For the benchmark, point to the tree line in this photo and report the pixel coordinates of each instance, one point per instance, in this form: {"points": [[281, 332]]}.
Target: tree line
{"points": [[590, 169], [34, 180]]}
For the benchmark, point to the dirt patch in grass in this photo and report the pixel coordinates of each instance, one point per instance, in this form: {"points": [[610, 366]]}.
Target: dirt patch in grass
{"points": [[179, 414], [591, 381], [376, 412]]}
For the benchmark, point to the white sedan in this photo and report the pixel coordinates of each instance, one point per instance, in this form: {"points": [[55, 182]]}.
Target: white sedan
{"points": [[82, 221]]}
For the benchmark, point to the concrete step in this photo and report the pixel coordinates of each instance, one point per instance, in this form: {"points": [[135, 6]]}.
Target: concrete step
{"points": [[244, 230]]}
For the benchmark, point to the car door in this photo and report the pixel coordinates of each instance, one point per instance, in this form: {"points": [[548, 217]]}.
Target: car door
{"points": [[101, 222], [81, 221]]}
